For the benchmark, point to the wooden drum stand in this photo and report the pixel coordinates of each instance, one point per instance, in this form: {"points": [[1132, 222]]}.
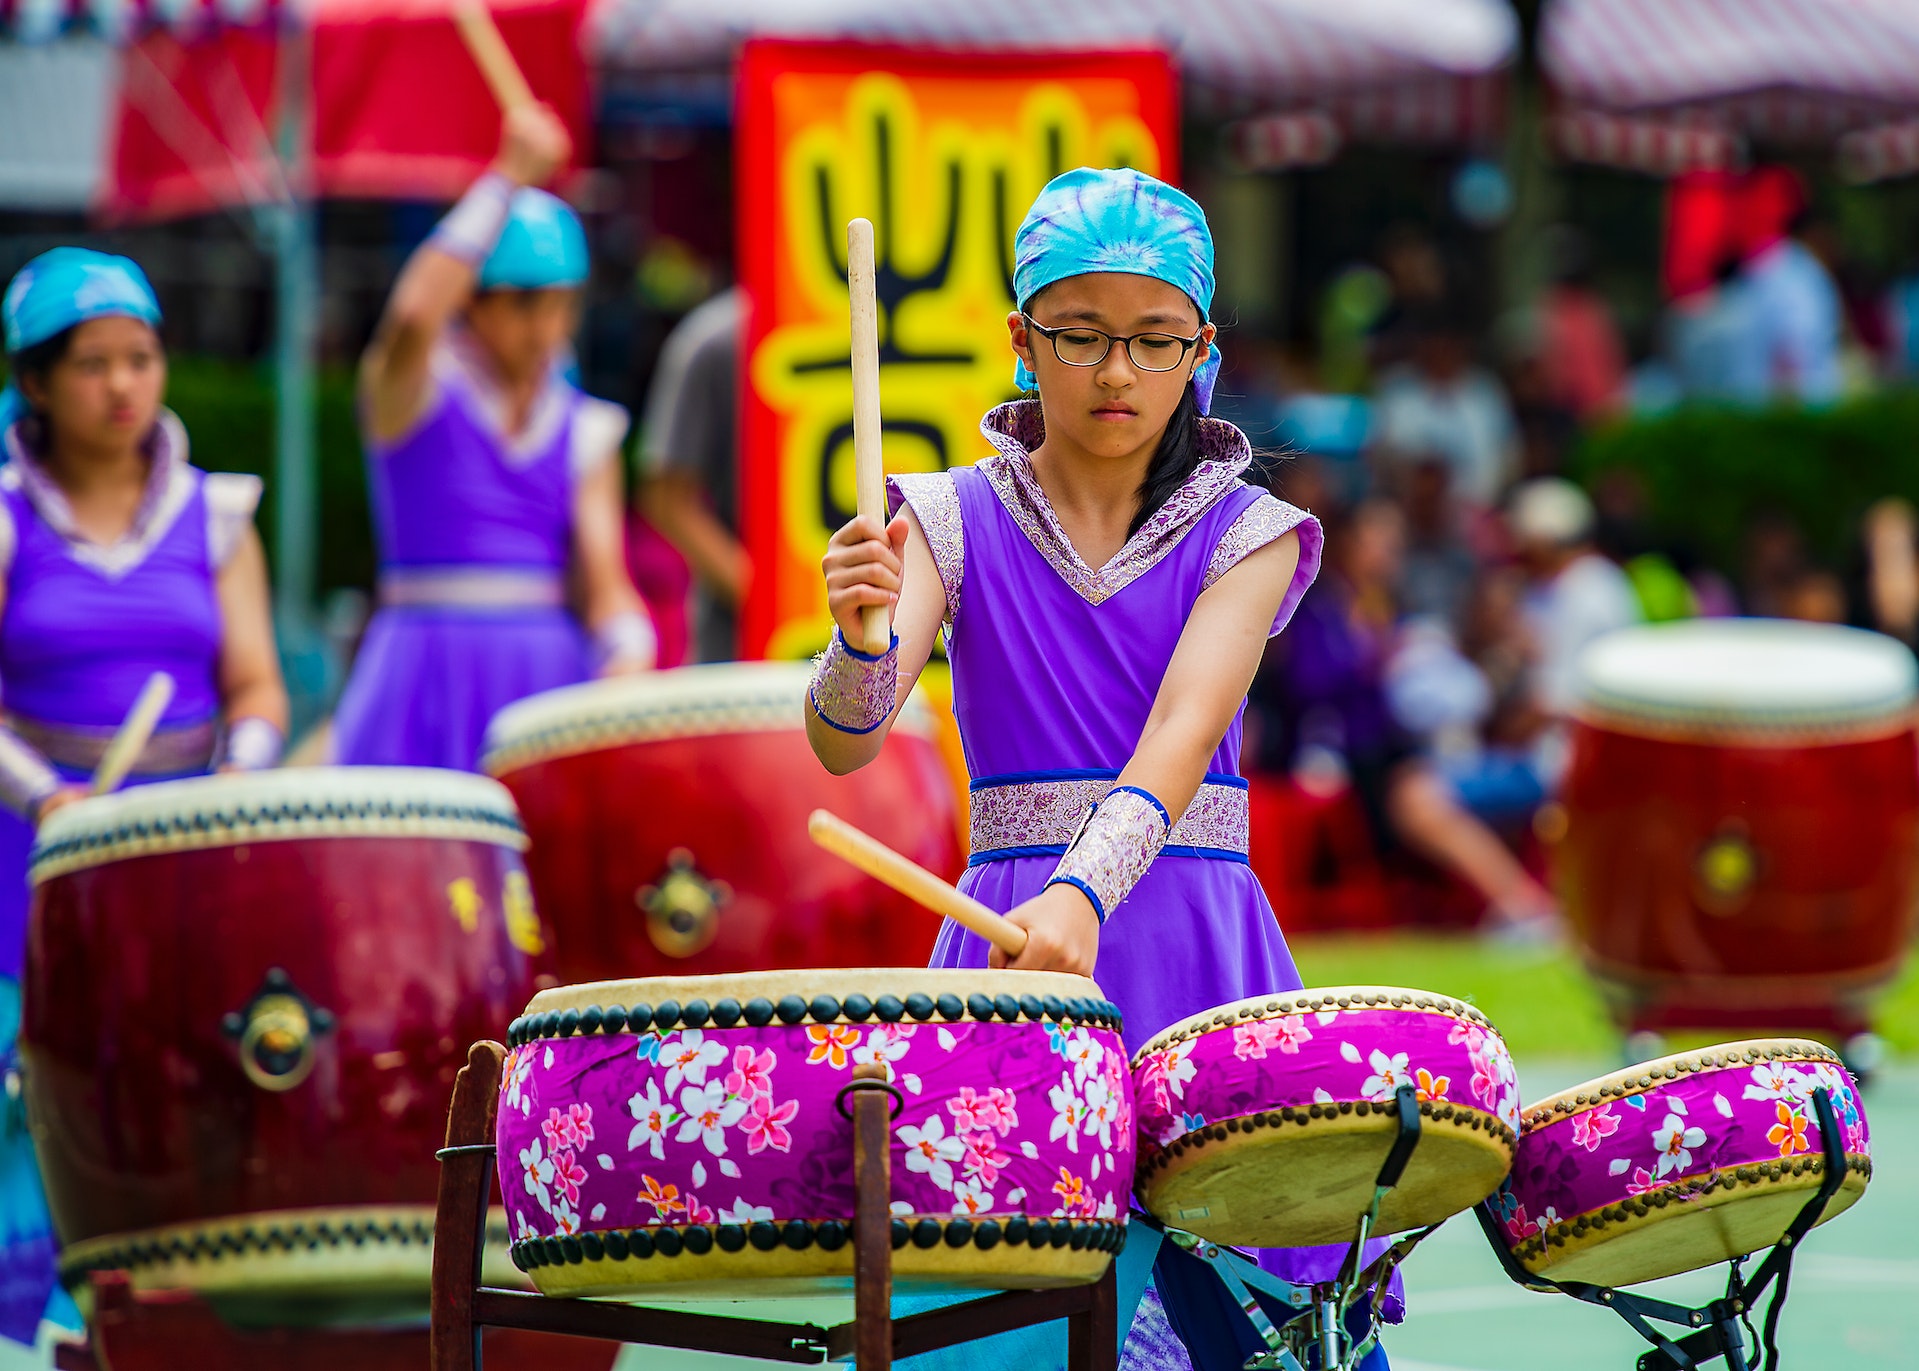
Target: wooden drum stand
{"points": [[463, 1306]]}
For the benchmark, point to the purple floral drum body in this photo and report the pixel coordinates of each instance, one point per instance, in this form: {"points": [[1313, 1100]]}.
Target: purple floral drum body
{"points": [[680, 1135], [1265, 1122], [1678, 1163]]}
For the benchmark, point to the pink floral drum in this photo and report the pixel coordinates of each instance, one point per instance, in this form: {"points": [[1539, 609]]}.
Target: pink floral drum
{"points": [[687, 1133], [1265, 1122], [1679, 1163]]}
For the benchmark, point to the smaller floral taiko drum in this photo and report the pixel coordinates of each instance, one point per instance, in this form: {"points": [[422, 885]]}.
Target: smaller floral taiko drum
{"points": [[1265, 1122], [693, 1134], [1679, 1163]]}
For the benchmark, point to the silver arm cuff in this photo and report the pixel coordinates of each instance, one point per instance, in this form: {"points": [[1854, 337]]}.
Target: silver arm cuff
{"points": [[472, 228], [626, 638], [25, 776], [253, 744], [851, 691], [1114, 847]]}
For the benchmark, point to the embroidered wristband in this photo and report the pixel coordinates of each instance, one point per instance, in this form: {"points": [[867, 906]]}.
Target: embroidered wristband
{"points": [[472, 228], [625, 639], [852, 691], [253, 744], [26, 778], [1114, 847]]}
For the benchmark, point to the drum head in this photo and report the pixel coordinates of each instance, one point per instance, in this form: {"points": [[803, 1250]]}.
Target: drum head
{"points": [[683, 702], [1745, 674], [1264, 1123], [1679, 1163]]}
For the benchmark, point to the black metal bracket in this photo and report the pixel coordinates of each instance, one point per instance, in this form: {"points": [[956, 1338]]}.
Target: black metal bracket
{"points": [[1718, 1333]]}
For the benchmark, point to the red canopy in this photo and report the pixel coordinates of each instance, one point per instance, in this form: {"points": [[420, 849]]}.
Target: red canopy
{"points": [[398, 110]]}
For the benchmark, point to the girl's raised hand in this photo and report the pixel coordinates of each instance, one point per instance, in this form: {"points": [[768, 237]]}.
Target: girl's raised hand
{"points": [[864, 565]]}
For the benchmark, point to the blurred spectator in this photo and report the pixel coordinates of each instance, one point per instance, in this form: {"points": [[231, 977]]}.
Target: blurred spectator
{"points": [[1796, 307], [1714, 341], [689, 465], [1439, 567], [1815, 596], [1442, 406], [1580, 352], [1575, 594], [1325, 717], [1775, 559], [1891, 537]]}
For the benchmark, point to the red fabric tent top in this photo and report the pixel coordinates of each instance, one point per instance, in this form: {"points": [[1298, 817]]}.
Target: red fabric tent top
{"points": [[1671, 85], [398, 109]]}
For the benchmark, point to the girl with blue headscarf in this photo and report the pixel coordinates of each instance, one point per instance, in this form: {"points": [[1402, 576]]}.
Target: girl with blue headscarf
{"points": [[496, 483], [117, 559], [1106, 580]]}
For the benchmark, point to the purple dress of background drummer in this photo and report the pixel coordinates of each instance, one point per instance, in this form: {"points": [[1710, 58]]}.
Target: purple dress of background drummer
{"points": [[495, 481], [1118, 690], [120, 560]]}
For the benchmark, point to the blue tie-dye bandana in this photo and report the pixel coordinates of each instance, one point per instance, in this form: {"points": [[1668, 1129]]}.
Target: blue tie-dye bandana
{"points": [[1118, 221]]}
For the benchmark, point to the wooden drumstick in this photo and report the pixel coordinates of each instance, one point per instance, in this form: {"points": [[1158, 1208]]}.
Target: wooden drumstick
{"points": [[492, 56], [133, 734], [914, 881], [869, 469]]}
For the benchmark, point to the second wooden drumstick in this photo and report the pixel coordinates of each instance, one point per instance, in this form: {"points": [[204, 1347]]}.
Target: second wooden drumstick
{"points": [[869, 468], [130, 740], [914, 881], [492, 56]]}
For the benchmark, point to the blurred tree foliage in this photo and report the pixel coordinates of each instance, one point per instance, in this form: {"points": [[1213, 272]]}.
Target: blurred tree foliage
{"points": [[1708, 471], [228, 410]]}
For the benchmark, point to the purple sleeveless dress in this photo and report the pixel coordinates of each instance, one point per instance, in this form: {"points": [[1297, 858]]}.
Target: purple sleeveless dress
{"points": [[1055, 669], [82, 629], [475, 531]]}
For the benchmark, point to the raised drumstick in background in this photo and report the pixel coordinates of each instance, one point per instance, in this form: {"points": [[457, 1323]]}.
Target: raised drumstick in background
{"points": [[492, 56], [914, 881], [130, 740], [869, 469]]}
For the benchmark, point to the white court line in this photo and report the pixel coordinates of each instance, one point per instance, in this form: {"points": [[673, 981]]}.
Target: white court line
{"points": [[1468, 1299], [1858, 1271]]}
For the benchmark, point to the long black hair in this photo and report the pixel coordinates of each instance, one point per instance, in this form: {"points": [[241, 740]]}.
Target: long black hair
{"points": [[42, 357], [1174, 463]]}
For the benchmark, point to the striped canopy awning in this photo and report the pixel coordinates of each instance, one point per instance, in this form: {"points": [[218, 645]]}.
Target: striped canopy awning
{"points": [[38, 21], [1420, 71], [1673, 85]]}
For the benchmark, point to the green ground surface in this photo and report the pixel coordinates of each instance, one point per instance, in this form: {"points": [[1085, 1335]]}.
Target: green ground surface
{"points": [[1541, 999]]}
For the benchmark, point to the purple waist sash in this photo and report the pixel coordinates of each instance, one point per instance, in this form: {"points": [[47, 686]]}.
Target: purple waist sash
{"points": [[472, 587], [1036, 814], [181, 750]]}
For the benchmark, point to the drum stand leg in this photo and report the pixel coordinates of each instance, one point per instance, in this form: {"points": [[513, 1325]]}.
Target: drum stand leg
{"points": [[1722, 1326], [462, 1307]]}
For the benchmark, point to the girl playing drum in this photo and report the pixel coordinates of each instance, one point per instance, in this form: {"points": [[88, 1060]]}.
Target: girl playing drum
{"points": [[495, 480], [1106, 582], [121, 560]]}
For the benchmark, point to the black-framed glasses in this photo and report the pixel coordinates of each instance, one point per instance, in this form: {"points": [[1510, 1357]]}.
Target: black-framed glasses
{"points": [[1079, 346]]}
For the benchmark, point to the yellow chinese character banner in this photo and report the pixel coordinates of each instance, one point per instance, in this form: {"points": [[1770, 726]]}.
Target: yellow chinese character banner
{"points": [[943, 151]]}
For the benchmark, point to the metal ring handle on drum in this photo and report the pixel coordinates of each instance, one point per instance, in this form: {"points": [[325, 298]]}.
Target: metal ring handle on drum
{"points": [[287, 1016], [857, 1087]]}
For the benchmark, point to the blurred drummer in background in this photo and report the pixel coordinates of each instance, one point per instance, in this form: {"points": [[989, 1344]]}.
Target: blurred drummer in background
{"points": [[496, 482], [121, 560]]}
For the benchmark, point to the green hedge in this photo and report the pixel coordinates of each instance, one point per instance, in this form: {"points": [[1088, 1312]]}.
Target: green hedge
{"points": [[228, 410], [1707, 471]]}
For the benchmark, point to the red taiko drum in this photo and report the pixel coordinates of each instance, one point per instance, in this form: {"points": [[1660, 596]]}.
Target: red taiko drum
{"points": [[1742, 822], [245, 1000], [667, 815]]}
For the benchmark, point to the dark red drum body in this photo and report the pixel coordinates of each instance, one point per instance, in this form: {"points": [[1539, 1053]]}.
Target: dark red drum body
{"points": [[1742, 822], [245, 1002], [667, 816]]}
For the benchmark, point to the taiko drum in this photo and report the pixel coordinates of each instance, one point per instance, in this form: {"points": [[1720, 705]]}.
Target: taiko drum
{"points": [[245, 1002], [1742, 821], [667, 815]]}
